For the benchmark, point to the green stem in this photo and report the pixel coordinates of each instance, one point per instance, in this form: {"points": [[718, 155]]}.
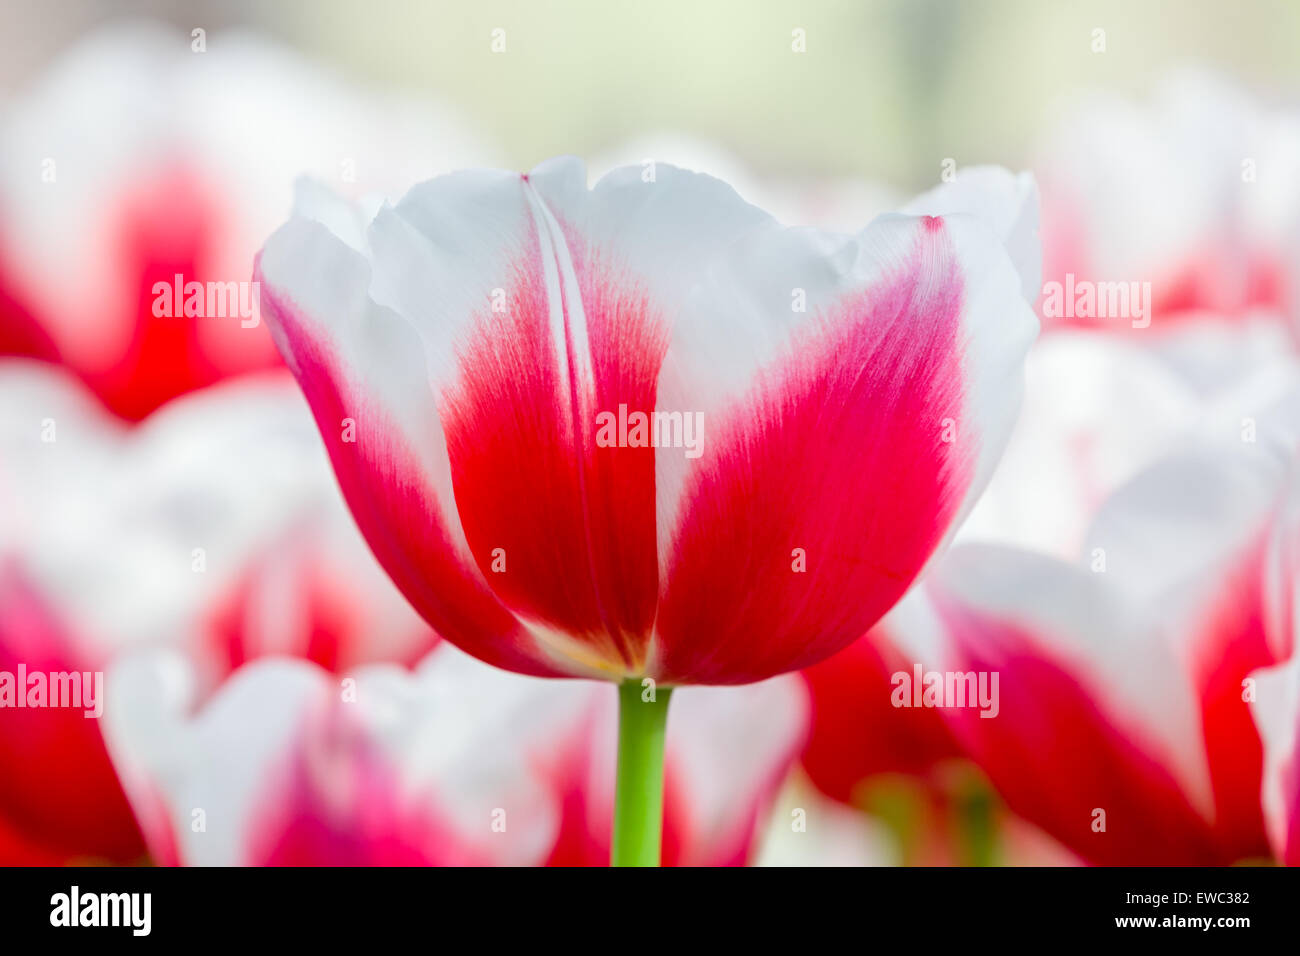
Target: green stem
{"points": [[639, 791]]}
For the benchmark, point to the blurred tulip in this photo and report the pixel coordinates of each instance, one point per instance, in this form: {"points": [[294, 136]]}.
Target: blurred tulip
{"points": [[61, 801], [902, 766], [1276, 707], [1122, 728], [1194, 195], [454, 764], [20, 333], [492, 318], [213, 528], [1099, 409], [895, 765], [137, 159], [856, 733]]}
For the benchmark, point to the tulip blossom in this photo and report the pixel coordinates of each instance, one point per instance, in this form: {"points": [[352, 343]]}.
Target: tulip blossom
{"points": [[461, 355], [214, 529], [157, 169], [1184, 206], [1123, 727], [1098, 410], [455, 763]]}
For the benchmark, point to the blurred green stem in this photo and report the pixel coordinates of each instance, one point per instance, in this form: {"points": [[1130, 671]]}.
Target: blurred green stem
{"points": [[977, 824], [639, 791]]}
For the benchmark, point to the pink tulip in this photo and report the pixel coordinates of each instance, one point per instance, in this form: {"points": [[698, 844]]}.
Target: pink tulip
{"points": [[454, 764], [902, 768]]}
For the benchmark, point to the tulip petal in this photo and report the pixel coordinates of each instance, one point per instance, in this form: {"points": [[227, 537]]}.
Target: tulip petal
{"points": [[863, 430], [1190, 537], [1007, 202], [1096, 737], [363, 371], [856, 731]]}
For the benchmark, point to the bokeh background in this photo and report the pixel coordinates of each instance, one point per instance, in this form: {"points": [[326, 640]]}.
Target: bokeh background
{"points": [[885, 91]]}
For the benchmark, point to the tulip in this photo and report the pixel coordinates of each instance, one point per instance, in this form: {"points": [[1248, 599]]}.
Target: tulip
{"points": [[455, 763], [1189, 195], [213, 528], [462, 354], [151, 165], [1098, 410], [1123, 727]]}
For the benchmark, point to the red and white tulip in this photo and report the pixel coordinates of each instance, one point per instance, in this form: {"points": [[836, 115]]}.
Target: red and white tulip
{"points": [[855, 393], [1123, 728], [213, 528], [136, 166]]}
